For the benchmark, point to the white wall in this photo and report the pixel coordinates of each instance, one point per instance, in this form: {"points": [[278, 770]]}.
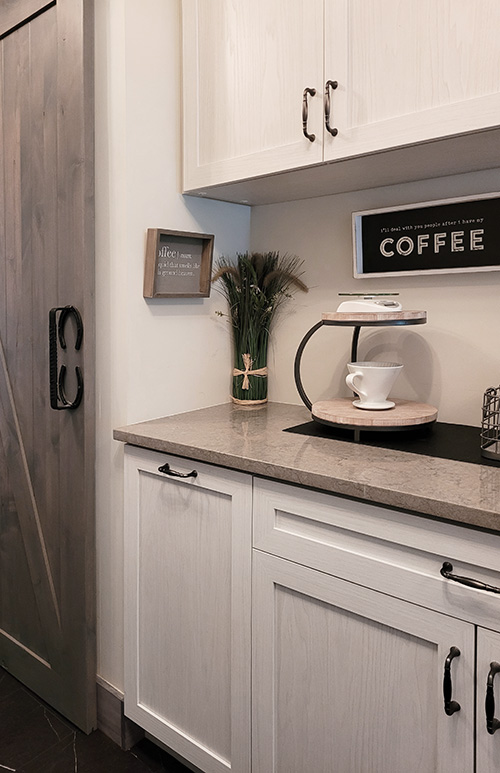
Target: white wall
{"points": [[153, 357], [449, 362]]}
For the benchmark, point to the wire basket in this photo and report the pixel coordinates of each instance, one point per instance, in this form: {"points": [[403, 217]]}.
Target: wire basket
{"points": [[490, 425]]}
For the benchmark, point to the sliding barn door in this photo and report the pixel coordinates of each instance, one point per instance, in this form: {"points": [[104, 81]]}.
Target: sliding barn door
{"points": [[47, 608]]}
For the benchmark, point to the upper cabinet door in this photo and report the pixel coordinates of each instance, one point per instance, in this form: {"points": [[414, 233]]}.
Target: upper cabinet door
{"points": [[245, 68], [410, 71]]}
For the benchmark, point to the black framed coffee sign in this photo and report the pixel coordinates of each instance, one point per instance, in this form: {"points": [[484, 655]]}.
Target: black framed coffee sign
{"points": [[178, 264], [454, 235]]}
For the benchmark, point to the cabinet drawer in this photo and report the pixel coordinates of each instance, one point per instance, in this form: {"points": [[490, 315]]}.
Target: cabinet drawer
{"points": [[398, 553]]}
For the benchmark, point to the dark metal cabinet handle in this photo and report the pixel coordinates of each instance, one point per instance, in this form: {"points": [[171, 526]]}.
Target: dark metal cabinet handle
{"points": [[492, 724], [447, 569], [305, 113], [450, 707], [165, 468], [329, 85]]}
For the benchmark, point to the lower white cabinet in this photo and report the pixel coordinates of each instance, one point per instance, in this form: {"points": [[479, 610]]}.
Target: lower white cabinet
{"points": [[341, 649], [349, 680], [355, 661], [187, 608]]}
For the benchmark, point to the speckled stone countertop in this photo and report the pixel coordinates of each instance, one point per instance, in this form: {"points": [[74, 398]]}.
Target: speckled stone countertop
{"points": [[252, 440]]}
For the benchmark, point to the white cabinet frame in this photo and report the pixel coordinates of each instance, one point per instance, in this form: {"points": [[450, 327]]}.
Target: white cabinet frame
{"points": [[235, 490]]}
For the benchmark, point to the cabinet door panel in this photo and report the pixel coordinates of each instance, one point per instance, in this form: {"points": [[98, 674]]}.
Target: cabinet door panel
{"points": [[187, 617], [350, 680], [410, 71], [245, 67], [488, 746]]}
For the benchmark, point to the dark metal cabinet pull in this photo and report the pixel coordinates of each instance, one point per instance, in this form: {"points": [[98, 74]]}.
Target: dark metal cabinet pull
{"points": [[165, 468], [329, 85], [450, 707], [492, 724], [305, 113], [447, 569]]}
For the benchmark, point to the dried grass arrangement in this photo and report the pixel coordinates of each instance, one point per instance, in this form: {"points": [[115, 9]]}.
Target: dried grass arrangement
{"points": [[255, 286]]}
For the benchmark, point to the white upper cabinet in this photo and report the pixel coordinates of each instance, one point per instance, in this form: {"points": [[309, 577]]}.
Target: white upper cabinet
{"points": [[246, 65], [410, 71], [406, 72]]}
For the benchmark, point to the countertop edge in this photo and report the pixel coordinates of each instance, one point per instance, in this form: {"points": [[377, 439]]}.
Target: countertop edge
{"points": [[438, 508]]}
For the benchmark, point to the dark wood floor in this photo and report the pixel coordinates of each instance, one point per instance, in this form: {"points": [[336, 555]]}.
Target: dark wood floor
{"points": [[35, 739]]}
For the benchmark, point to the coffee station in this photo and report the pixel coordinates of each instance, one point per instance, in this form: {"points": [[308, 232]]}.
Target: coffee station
{"points": [[340, 555], [371, 527], [328, 533], [352, 525]]}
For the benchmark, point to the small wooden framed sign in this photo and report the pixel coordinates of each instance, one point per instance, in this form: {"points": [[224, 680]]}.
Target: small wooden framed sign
{"points": [[178, 264], [454, 235]]}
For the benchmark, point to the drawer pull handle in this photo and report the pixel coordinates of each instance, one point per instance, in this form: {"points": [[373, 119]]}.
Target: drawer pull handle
{"points": [[165, 468], [333, 85], [450, 707], [447, 569], [492, 724], [305, 113]]}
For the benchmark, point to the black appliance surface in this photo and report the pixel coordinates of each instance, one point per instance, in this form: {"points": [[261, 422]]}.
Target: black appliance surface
{"points": [[444, 441]]}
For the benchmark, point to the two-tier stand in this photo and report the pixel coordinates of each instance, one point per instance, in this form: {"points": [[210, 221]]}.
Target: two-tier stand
{"points": [[340, 412]]}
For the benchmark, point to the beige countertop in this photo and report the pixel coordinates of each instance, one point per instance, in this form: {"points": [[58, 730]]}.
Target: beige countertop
{"points": [[252, 440]]}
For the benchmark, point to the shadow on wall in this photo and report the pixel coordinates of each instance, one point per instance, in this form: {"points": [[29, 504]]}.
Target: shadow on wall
{"points": [[421, 374], [207, 213]]}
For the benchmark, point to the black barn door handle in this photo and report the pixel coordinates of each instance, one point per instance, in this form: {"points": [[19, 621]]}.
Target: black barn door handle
{"points": [[57, 321]]}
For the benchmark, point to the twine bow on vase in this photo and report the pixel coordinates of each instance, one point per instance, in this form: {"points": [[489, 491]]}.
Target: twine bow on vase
{"points": [[245, 384]]}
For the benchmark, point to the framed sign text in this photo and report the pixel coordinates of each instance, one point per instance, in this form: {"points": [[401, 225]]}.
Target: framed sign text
{"points": [[178, 264], [435, 237]]}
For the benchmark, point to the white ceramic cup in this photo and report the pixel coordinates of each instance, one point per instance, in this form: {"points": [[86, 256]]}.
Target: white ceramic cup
{"points": [[372, 382]]}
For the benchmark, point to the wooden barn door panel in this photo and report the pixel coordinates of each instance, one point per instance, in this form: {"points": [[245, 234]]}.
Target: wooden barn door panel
{"points": [[47, 608]]}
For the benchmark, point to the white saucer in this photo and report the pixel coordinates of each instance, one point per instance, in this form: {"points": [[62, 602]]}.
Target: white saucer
{"points": [[374, 406]]}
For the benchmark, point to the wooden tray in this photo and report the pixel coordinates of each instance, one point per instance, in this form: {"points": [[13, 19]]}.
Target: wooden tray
{"points": [[342, 412], [367, 317]]}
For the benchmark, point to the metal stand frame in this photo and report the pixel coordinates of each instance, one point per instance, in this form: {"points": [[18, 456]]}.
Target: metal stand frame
{"points": [[354, 355]]}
